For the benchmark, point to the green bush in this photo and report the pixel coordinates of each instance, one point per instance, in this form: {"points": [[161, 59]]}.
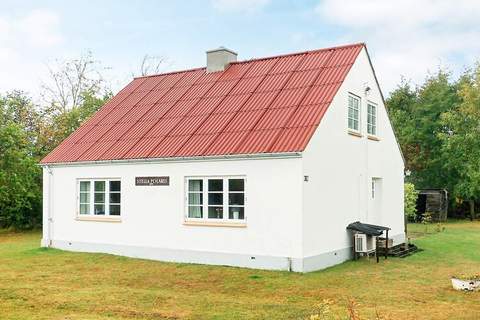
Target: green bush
{"points": [[20, 186], [411, 195]]}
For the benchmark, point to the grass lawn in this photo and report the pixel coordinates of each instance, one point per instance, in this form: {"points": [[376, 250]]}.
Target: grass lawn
{"points": [[38, 283]]}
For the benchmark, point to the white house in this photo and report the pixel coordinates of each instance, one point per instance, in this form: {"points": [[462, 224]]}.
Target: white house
{"points": [[259, 163]]}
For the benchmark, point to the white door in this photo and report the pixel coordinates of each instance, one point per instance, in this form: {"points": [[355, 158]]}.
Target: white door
{"points": [[375, 203]]}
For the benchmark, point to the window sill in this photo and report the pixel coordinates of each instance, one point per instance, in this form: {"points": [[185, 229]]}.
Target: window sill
{"points": [[215, 224], [354, 133], [99, 219], [374, 138]]}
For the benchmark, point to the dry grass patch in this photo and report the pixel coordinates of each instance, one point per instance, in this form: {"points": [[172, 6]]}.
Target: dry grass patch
{"points": [[37, 283]]}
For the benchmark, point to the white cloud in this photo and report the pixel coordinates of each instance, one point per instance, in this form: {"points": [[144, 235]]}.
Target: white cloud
{"points": [[41, 28], [409, 37], [24, 43], [239, 5]]}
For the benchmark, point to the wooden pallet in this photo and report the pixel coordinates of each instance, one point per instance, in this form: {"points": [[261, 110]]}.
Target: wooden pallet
{"points": [[399, 250]]}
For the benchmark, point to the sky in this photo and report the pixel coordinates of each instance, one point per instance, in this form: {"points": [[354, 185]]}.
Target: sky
{"points": [[408, 38]]}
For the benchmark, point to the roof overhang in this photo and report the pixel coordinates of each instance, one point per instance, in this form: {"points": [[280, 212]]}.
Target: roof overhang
{"points": [[254, 156]]}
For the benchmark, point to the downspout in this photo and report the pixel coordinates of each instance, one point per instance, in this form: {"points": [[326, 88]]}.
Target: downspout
{"points": [[49, 205], [366, 91], [406, 173]]}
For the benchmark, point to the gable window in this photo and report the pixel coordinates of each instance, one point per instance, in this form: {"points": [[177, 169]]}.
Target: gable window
{"points": [[353, 113], [371, 119], [216, 199], [99, 197]]}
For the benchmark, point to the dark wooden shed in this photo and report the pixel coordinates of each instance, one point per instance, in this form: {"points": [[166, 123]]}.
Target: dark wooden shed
{"points": [[434, 201]]}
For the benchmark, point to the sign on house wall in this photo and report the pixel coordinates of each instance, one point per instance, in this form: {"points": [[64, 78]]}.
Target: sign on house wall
{"points": [[152, 181]]}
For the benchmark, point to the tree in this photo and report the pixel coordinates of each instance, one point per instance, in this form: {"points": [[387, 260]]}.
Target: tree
{"points": [[152, 65], [410, 205], [416, 114], [29, 131], [461, 142], [64, 123], [18, 108], [20, 191], [76, 90], [70, 79]]}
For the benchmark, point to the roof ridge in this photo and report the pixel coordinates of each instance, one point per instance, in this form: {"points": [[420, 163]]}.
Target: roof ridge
{"points": [[302, 52], [169, 73], [260, 59]]}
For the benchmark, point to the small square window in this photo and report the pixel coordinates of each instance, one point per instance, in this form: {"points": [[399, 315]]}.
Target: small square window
{"points": [[195, 185], [215, 199], [84, 208], [114, 210], [215, 185], [195, 198], [236, 213], [99, 186], [84, 186], [236, 199], [115, 197], [215, 212], [114, 186], [99, 209], [195, 212], [99, 197], [84, 197], [236, 184]]}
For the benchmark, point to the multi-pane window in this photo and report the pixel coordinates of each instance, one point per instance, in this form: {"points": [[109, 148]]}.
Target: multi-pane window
{"points": [[216, 198], [353, 113], [371, 119], [99, 197]]}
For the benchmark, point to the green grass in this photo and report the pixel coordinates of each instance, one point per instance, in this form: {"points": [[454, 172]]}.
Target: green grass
{"points": [[38, 283]]}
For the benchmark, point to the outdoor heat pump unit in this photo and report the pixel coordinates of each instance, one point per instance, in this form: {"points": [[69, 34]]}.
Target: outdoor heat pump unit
{"points": [[364, 243]]}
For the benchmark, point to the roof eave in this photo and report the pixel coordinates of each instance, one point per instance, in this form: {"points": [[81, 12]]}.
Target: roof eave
{"points": [[253, 156]]}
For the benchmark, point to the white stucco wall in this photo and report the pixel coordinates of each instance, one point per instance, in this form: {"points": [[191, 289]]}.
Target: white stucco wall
{"points": [[340, 167], [153, 216]]}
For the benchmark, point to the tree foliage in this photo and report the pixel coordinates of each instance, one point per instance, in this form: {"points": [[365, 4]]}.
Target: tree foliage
{"points": [[29, 131], [20, 188], [410, 204], [438, 126], [461, 142]]}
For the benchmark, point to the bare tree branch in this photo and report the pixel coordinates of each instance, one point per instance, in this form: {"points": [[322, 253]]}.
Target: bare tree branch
{"points": [[69, 79], [153, 65]]}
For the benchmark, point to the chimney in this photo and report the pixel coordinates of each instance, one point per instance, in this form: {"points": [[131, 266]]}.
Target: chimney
{"points": [[219, 59]]}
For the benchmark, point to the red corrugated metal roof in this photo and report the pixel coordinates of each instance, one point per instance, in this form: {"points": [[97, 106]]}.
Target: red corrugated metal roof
{"points": [[263, 105]]}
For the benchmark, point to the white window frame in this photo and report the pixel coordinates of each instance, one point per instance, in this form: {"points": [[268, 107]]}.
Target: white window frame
{"points": [[225, 219], [374, 115], [359, 119], [92, 198]]}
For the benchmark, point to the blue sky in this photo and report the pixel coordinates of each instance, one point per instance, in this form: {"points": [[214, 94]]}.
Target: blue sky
{"points": [[405, 38]]}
